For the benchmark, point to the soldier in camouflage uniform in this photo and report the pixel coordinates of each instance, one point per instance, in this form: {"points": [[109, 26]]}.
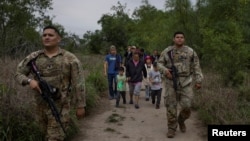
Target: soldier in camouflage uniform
{"points": [[62, 70], [186, 61]]}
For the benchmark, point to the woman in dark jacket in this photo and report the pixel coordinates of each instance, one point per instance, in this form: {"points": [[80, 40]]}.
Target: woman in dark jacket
{"points": [[135, 70]]}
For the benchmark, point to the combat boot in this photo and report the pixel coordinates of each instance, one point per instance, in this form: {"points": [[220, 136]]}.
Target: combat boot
{"points": [[182, 125], [170, 133]]}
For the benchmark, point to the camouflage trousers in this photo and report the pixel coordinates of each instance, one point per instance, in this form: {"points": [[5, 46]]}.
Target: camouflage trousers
{"points": [[49, 126], [171, 102]]}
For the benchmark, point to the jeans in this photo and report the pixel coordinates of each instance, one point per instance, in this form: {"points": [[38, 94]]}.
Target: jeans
{"points": [[112, 82], [157, 94], [121, 94]]}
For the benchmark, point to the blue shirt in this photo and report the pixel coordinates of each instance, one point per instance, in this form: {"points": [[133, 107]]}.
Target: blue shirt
{"points": [[113, 62]]}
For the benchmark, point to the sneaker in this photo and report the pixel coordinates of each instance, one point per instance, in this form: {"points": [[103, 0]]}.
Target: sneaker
{"points": [[137, 106], [131, 102], [170, 133], [182, 125], [147, 99], [157, 106]]}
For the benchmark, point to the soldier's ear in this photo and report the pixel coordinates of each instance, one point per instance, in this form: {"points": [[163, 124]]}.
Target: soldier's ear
{"points": [[59, 39]]}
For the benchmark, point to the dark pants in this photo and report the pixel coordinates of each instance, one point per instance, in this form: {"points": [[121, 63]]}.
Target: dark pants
{"points": [[119, 94], [112, 82], [157, 94]]}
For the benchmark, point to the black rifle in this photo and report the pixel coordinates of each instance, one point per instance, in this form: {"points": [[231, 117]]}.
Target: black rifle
{"points": [[48, 92], [174, 73]]}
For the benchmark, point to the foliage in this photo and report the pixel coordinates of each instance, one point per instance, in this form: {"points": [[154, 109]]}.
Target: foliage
{"points": [[223, 40], [217, 104], [218, 30], [16, 121], [19, 21], [148, 28], [16, 102], [96, 82]]}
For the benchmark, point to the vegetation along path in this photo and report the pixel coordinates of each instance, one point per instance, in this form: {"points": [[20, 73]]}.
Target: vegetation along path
{"points": [[126, 123]]}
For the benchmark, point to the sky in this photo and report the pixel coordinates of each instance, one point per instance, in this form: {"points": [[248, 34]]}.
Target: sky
{"points": [[80, 16]]}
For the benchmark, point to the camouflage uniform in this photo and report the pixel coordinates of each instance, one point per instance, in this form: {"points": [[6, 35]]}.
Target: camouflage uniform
{"points": [[63, 71], [186, 61]]}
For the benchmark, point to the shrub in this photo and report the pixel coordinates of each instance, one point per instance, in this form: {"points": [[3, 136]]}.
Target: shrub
{"points": [[218, 104], [16, 120]]}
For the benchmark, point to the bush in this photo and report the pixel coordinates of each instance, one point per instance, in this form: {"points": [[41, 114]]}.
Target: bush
{"points": [[218, 104], [96, 82], [16, 120]]}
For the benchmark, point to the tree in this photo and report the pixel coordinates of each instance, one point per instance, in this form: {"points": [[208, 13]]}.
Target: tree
{"points": [[183, 19], [19, 21], [114, 26], [150, 28], [223, 39]]}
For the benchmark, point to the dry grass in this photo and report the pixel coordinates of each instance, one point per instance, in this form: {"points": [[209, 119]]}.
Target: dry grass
{"points": [[17, 101], [218, 104], [20, 94], [16, 106], [215, 103]]}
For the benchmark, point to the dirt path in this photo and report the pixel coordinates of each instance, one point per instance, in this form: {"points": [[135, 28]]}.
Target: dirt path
{"points": [[129, 124]]}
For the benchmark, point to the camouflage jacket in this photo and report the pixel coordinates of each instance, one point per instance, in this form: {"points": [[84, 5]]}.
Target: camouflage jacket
{"points": [[185, 60], [63, 71]]}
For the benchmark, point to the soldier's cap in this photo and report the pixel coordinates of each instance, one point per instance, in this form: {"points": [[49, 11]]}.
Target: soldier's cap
{"points": [[112, 47]]}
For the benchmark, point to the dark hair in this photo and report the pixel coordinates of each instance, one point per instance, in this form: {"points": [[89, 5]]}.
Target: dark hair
{"points": [[136, 53], [179, 32], [121, 69], [155, 64], [52, 27]]}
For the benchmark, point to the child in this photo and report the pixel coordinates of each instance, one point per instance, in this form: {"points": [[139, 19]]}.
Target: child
{"points": [[156, 87], [121, 86], [149, 67]]}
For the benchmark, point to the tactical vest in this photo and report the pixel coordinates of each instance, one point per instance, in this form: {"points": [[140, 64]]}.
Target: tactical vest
{"points": [[183, 60]]}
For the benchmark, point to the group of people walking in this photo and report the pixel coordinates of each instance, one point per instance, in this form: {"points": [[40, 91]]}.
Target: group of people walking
{"points": [[63, 70], [178, 65], [136, 69]]}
